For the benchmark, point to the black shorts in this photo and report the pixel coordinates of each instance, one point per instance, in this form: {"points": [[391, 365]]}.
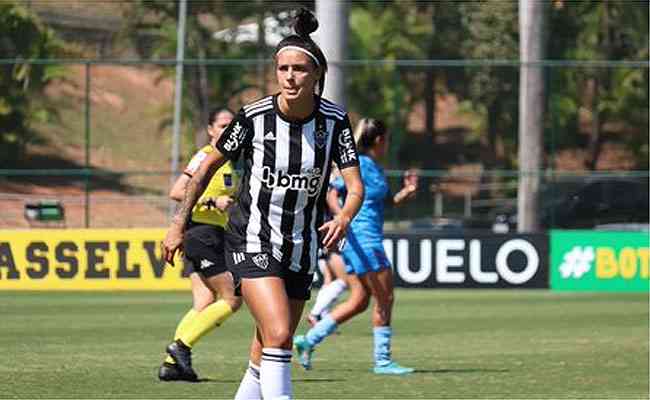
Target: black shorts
{"points": [[261, 265], [204, 249]]}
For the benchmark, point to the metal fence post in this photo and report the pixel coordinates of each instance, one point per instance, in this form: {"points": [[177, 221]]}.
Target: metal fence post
{"points": [[468, 204], [438, 206], [87, 161]]}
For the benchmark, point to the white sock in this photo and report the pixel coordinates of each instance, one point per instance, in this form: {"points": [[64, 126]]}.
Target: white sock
{"points": [[275, 374], [249, 388], [327, 296]]}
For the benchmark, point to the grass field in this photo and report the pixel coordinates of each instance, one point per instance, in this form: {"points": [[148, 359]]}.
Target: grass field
{"points": [[464, 344]]}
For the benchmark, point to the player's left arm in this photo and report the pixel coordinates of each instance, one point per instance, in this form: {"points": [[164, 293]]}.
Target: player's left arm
{"points": [[347, 160], [335, 228]]}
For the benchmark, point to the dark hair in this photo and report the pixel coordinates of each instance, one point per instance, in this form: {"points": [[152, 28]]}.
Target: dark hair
{"points": [[367, 131], [304, 24], [212, 116]]}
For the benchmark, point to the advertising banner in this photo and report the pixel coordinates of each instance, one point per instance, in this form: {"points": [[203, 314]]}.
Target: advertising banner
{"points": [[599, 261], [86, 259], [130, 259], [439, 260]]}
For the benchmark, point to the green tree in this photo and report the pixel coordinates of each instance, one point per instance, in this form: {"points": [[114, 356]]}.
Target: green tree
{"points": [[493, 34], [445, 34], [601, 31], [22, 37], [388, 31], [206, 86]]}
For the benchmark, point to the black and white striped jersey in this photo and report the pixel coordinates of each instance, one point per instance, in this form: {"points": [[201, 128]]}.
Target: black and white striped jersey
{"points": [[287, 163]]}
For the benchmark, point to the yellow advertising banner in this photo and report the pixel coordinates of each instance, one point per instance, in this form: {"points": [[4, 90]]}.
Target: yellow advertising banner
{"points": [[87, 259]]}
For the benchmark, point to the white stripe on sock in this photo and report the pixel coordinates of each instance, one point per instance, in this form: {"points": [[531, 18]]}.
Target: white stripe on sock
{"points": [[275, 375]]}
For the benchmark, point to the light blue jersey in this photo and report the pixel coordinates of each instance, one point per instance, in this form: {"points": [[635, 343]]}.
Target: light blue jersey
{"points": [[364, 250]]}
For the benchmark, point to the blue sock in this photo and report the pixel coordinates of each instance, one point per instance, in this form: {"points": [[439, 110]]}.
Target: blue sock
{"points": [[383, 336], [320, 331]]}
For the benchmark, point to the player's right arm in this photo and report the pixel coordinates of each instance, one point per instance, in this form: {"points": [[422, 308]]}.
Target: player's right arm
{"points": [[234, 138], [177, 191], [195, 187]]}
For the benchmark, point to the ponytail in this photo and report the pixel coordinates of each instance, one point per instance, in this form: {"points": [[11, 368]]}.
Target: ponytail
{"points": [[367, 131]]}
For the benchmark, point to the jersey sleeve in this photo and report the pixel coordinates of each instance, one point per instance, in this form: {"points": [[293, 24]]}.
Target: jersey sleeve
{"points": [[194, 163], [344, 150], [236, 136]]}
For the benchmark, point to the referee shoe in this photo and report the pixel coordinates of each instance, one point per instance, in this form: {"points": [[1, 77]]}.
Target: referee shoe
{"points": [[169, 372], [183, 357]]}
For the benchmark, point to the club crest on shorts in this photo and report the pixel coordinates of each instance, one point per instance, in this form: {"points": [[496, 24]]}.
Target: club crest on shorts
{"points": [[261, 260], [320, 137]]}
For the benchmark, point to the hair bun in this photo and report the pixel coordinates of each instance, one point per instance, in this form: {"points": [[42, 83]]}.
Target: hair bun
{"points": [[305, 23]]}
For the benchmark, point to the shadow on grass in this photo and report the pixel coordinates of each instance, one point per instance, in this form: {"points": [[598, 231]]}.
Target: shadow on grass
{"points": [[418, 371], [459, 371], [202, 380]]}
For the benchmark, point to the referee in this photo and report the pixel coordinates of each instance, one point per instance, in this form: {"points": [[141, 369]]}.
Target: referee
{"points": [[204, 253]]}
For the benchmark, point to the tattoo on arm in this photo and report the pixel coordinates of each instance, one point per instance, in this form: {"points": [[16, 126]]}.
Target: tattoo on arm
{"points": [[193, 191], [358, 195]]}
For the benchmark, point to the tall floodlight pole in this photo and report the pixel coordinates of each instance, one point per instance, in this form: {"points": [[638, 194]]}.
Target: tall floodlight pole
{"points": [[332, 37], [531, 112], [178, 96]]}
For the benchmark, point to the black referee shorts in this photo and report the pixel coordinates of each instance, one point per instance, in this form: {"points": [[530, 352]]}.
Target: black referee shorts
{"points": [[261, 265], [204, 249]]}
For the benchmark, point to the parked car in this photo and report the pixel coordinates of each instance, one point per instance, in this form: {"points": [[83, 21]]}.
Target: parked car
{"points": [[596, 202]]}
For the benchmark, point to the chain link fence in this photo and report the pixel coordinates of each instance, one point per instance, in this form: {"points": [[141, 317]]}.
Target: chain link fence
{"points": [[101, 139]]}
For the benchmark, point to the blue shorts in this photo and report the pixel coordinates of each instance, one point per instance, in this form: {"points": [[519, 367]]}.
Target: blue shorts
{"points": [[362, 256]]}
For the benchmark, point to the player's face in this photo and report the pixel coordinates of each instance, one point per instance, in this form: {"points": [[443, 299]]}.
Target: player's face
{"points": [[297, 75], [220, 123]]}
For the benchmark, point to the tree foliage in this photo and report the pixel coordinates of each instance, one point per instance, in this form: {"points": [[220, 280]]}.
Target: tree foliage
{"points": [[389, 32], [22, 37], [204, 86], [208, 86], [493, 34], [601, 30]]}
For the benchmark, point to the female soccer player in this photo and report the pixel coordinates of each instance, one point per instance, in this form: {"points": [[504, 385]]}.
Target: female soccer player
{"points": [[369, 271], [204, 252], [288, 141]]}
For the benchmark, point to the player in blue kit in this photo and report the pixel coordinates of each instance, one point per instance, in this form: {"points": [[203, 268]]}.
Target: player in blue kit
{"points": [[368, 268]]}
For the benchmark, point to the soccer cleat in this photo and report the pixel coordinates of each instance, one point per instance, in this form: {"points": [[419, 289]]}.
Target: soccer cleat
{"points": [[392, 369], [304, 351], [169, 372], [183, 357]]}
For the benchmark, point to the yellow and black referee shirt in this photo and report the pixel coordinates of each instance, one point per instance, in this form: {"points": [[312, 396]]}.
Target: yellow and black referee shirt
{"points": [[223, 183]]}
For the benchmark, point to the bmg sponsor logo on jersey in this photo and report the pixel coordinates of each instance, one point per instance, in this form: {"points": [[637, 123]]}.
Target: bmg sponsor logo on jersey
{"points": [[235, 138], [346, 141], [309, 181]]}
